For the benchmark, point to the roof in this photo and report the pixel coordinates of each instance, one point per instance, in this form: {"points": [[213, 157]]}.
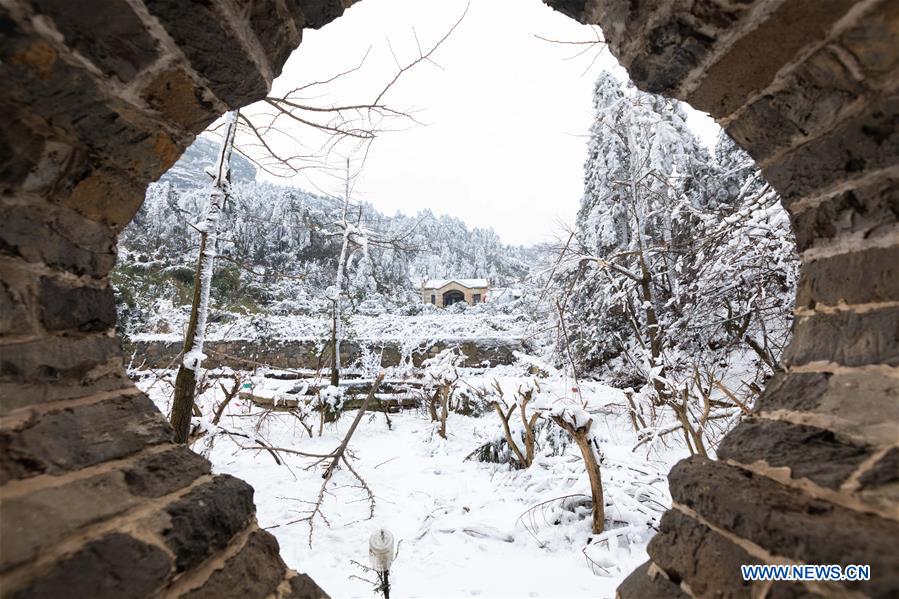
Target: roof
{"points": [[470, 283]]}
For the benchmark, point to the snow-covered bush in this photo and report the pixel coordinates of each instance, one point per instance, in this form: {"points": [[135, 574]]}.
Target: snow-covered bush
{"points": [[441, 373], [329, 402]]}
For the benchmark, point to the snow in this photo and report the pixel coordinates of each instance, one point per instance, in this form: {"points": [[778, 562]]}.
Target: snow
{"points": [[431, 326], [462, 528], [470, 283]]}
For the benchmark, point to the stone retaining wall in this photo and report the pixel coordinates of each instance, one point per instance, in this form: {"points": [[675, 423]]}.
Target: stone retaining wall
{"points": [[243, 354]]}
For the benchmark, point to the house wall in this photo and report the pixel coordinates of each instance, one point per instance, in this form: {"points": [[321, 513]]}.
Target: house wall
{"points": [[467, 291]]}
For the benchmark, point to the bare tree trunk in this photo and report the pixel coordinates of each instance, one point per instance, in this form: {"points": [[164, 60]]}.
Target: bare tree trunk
{"points": [[186, 379], [444, 408], [432, 405], [586, 444], [229, 395], [335, 347], [504, 418], [338, 453]]}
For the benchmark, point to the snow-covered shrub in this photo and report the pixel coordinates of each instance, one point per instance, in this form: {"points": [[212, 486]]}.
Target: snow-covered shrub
{"points": [[330, 401], [468, 402], [457, 308], [441, 373]]}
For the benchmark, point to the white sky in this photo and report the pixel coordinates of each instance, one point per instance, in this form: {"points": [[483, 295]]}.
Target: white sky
{"points": [[506, 114]]}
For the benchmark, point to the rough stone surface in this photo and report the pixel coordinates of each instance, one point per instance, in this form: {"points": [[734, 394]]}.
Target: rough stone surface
{"points": [[850, 404], [52, 359], [164, 473], [84, 309], [32, 522], [641, 584], [867, 212], [253, 572], [174, 94], [59, 238], [866, 143], [789, 523], [112, 567], [884, 472], [809, 452], [753, 61], [80, 436], [206, 519], [869, 276], [105, 31], [693, 553], [317, 13], [213, 49], [794, 391], [822, 89], [303, 587], [846, 338]]}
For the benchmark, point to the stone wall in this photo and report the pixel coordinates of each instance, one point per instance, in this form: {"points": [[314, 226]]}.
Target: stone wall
{"points": [[246, 354], [99, 97], [811, 91]]}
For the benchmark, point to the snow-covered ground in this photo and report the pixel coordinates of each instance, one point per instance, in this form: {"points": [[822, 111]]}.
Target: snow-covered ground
{"points": [[465, 528]]}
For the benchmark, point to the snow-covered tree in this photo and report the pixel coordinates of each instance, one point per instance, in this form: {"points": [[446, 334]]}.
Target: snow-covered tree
{"points": [[680, 266]]}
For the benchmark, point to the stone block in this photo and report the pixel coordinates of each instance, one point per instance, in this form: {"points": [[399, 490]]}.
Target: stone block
{"points": [[695, 554], [111, 567], [17, 315], [864, 212], [789, 523], [164, 473], [205, 520], [859, 406], [79, 436], [863, 144], [212, 48], [279, 33], [33, 521], [318, 13], [752, 62], [795, 391], [107, 32], [820, 91], [640, 584], [58, 237], [867, 276], [85, 309], [884, 472], [846, 338], [55, 359], [256, 571], [872, 42], [178, 98], [303, 587], [104, 195], [809, 452]]}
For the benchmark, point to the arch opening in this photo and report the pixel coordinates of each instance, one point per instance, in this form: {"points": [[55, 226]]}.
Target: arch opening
{"points": [[87, 128]]}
